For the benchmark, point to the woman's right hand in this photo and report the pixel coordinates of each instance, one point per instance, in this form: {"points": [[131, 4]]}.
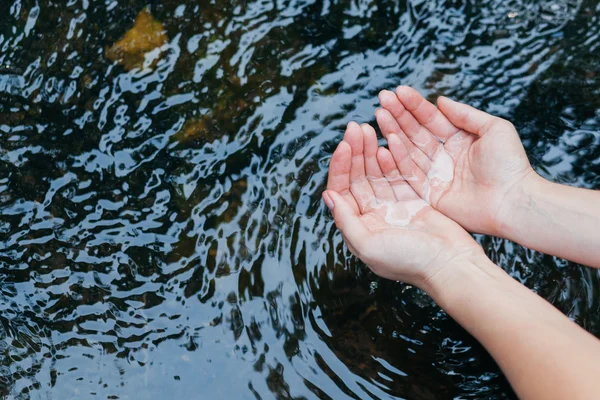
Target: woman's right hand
{"points": [[471, 174], [481, 178]]}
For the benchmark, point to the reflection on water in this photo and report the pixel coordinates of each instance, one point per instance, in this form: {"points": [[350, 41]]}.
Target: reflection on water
{"points": [[162, 233]]}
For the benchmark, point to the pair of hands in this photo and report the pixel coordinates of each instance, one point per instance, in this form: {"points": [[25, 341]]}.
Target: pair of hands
{"points": [[404, 211]]}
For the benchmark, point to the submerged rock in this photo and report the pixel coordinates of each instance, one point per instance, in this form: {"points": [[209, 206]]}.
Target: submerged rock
{"points": [[193, 129], [146, 35]]}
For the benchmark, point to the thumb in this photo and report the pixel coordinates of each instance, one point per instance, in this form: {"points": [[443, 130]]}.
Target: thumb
{"points": [[466, 117], [346, 218]]}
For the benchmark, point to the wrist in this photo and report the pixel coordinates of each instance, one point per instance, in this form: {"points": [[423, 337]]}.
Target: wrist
{"points": [[454, 276], [518, 202]]}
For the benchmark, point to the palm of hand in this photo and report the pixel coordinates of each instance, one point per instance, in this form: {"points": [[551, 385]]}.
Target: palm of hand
{"points": [[382, 218], [468, 176]]}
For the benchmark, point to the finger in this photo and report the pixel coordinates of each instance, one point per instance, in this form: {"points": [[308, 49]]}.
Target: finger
{"points": [[347, 220], [426, 113], [338, 179], [466, 117], [359, 185], [408, 169], [380, 185], [388, 125], [402, 189], [419, 135]]}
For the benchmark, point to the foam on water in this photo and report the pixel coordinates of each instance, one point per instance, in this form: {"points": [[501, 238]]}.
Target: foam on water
{"points": [[442, 168], [400, 213], [440, 174]]}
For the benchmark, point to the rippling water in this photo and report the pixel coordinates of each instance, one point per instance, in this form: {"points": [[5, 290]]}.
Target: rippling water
{"points": [[161, 230]]}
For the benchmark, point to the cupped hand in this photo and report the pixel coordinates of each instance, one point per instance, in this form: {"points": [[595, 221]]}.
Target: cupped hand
{"points": [[382, 219], [463, 161]]}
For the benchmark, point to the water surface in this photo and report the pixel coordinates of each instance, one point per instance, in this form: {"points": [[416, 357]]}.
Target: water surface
{"points": [[161, 229]]}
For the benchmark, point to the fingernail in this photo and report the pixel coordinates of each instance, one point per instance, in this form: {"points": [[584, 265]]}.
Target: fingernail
{"points": [[328, 201]]}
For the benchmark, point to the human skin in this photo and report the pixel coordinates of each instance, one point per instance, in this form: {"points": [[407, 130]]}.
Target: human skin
{"points": [[543, 354], [494, 189], [428, 240]]}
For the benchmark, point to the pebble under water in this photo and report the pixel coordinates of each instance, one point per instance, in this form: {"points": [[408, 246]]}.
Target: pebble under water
{"points": [[161, 228]]}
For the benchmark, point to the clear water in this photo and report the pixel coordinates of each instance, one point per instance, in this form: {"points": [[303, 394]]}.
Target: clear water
{"points": [[143, 256]]}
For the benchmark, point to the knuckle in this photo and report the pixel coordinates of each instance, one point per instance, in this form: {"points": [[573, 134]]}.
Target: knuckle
{"points": [[464, 116], [505, 123], [489, 124]]}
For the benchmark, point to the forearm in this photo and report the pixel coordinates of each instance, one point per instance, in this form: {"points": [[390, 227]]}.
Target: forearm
{"points": [[543, 354], [555, 219]]}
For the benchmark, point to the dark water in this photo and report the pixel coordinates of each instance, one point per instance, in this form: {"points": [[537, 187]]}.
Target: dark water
{"points": [[161, 230]]}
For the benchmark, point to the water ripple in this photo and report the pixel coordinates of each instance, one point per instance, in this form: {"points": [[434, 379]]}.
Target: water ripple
{"points": [[161, 230]]}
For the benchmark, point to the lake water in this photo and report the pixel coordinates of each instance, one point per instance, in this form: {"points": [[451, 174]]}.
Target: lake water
{"points": [[161, 228]]}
